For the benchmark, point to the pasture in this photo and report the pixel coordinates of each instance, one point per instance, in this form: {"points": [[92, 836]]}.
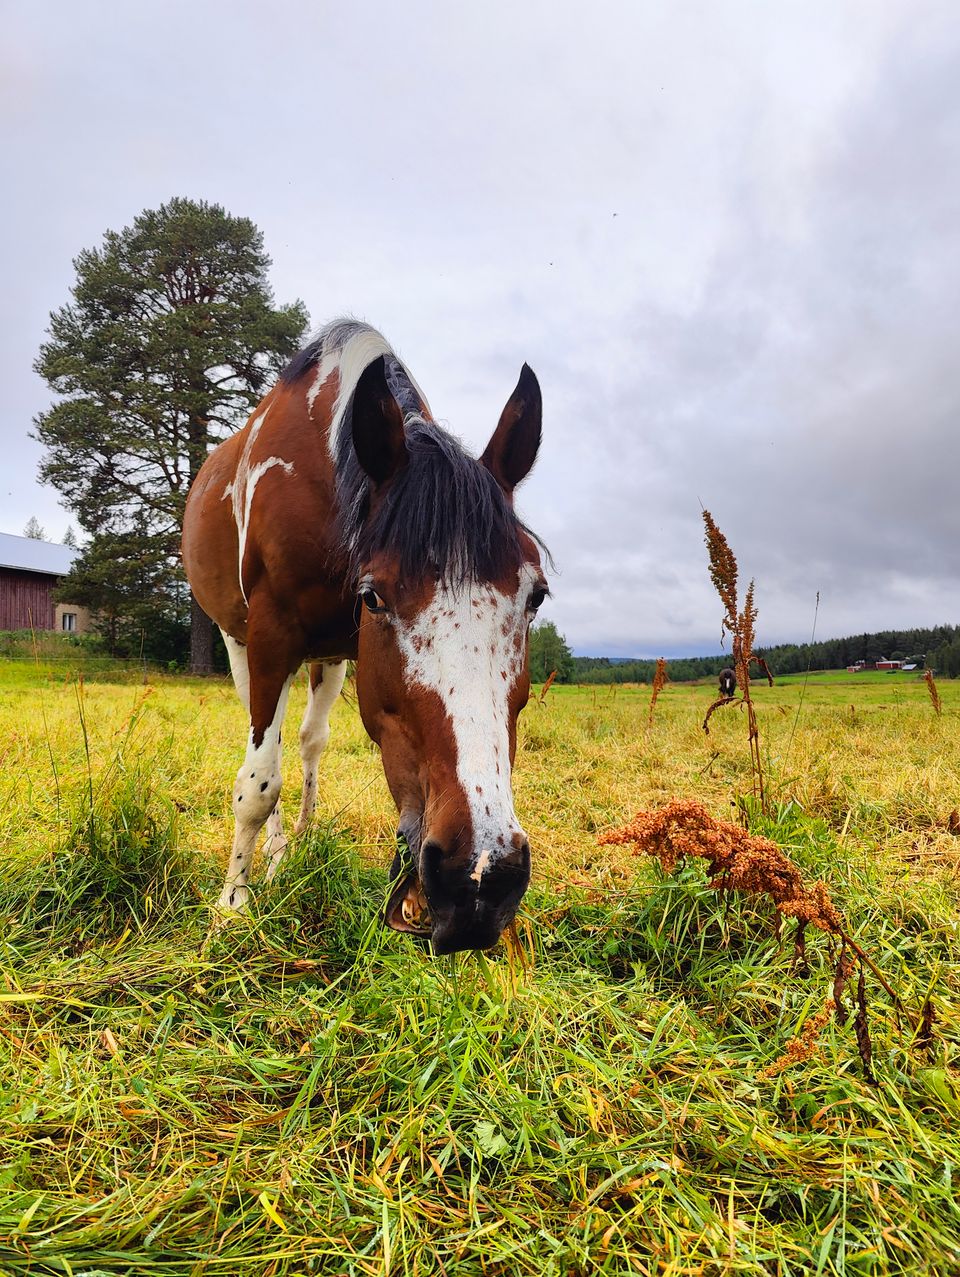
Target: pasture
{"points": [[301, 1091]]}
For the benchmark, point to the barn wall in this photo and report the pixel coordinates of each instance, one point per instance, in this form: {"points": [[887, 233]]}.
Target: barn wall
{"points": [[84, 621], [26, 600]]}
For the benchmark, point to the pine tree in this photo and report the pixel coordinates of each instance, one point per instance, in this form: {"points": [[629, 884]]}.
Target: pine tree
{"points": [[169, 342], [33, 530], [131, 583], [549, 652]]}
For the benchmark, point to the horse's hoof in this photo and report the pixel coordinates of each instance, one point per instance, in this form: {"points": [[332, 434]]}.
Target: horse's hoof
{"points": [[233, 898]]}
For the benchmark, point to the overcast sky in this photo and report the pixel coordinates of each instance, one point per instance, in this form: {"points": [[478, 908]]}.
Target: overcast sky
{"points": [[726, 236]]}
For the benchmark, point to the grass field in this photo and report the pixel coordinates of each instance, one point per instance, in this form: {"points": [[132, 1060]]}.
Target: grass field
{"points": [[301, 1092]]}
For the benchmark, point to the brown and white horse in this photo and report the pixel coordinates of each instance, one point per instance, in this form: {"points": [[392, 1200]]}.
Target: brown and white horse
{"points": [[343, 523]]}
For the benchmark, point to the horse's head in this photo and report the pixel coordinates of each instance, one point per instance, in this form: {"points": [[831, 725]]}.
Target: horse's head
{"points": [[448, 582]]}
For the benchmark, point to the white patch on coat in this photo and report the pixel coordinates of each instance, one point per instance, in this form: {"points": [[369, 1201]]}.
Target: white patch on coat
{"points": [[254, 475], [468, 646], [244, 486], [328, 362]]}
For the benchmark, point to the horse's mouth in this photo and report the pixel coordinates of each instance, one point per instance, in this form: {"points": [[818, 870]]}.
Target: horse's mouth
{"points": [[415, 911], [408, 909]]}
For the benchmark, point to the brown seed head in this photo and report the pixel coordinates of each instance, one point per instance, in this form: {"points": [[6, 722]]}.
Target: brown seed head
{"points": [[723, 570]]}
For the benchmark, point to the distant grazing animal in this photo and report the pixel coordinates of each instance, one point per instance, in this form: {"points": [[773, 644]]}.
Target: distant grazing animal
{"points": [[728, 683], [342, 523]]}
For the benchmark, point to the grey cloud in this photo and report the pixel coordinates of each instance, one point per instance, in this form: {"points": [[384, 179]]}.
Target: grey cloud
{"points": [[728, 246]]}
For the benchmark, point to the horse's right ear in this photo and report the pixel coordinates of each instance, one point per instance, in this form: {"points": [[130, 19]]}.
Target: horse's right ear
{"points": [[510, 454], [378, 438]]}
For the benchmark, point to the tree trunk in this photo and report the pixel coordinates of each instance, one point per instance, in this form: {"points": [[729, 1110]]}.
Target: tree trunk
{"points": [[201, 640]]}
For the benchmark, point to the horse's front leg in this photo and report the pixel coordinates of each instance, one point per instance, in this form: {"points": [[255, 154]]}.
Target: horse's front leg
{"points": [[276, 841], [325, 685], [256, 792]]}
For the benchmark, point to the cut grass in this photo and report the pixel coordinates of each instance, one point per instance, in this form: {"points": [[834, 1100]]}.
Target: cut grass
{"points": [[302, 1092]]}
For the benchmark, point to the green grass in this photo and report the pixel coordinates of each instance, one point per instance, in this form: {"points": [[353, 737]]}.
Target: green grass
{"points": [[301, 1092]]}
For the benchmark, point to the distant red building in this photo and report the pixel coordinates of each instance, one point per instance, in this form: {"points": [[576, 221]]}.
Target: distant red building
{"points": [[29, 572]]}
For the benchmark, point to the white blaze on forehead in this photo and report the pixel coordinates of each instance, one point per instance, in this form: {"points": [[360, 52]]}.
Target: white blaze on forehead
{"points": [[468, 647]]}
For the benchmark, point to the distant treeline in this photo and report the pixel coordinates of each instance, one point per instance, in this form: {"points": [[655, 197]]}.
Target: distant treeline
{"points": [[937, 649]]}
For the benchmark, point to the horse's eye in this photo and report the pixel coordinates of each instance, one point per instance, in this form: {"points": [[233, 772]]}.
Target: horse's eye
{"points": [[537, 597], [372, 601]]}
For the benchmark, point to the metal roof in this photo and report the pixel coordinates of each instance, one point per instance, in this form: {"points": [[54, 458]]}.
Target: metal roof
{"points": [[30, 555]]}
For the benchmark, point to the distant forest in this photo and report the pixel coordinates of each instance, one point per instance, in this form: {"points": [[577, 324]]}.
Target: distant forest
{"points": [[937, 649]]}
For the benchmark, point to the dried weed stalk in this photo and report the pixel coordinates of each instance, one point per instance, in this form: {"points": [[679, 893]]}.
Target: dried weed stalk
{"points": [[741, 627], [738, 861], [546, 687], [804, 1045], [659, 678], [934, 693], [723, 572]]}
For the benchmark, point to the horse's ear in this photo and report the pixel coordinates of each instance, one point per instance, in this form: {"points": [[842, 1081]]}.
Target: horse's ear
{"points": [[512, 450], [378, 437]]}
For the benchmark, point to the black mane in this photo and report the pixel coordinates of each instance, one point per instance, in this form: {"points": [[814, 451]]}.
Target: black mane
{"points": [[443, 513]]}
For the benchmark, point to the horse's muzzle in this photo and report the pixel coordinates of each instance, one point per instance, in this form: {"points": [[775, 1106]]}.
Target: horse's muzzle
{"points": [[470, 909]]}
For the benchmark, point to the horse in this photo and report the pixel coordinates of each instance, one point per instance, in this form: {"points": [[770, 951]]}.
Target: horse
{"points": [[728, 684], [342, 523]]}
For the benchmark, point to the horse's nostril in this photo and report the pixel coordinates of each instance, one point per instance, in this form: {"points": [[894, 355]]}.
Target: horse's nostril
{"points": [[431, 855], [519, 857]]}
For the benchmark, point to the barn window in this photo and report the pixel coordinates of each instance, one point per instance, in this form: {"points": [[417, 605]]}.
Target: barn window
{"points": [[69, 621]]}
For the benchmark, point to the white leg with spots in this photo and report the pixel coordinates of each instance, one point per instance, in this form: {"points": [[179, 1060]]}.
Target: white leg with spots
{"points": [[276, 843], [255, 795], [315, 732]]}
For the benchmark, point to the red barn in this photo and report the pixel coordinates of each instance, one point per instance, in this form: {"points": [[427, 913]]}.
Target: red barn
{"points": [[29, 573]]}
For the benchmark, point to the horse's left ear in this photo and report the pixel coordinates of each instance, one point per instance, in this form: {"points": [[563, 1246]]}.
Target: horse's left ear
{"points": [[511, 452], [378, 437]]}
